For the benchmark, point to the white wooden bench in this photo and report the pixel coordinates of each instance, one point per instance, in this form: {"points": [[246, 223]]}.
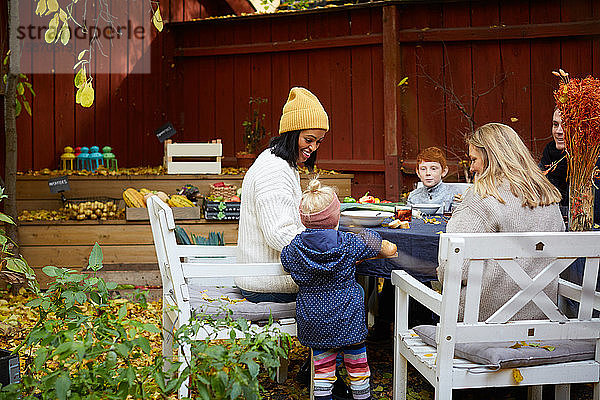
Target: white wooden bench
{"points": [[439, 365], [183, 267]]}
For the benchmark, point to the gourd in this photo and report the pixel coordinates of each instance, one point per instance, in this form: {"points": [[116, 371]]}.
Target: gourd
{"points": [[133, 198], [180, 201]]}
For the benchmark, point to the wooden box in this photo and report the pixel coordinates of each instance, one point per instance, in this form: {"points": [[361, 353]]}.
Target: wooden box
{"points": [[193, 158], [141, 214]]}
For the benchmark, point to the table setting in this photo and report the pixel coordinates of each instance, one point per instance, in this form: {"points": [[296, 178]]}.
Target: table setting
{"points": [[417, 239]]}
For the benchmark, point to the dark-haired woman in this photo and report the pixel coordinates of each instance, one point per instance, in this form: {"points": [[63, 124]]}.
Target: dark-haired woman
{"points": [[269, 213]]}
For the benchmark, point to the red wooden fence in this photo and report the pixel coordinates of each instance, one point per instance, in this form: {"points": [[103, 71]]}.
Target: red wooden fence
{"points": [[491, 56]]}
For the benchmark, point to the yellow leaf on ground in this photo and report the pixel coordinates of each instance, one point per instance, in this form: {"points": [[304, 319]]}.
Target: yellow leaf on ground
{"points": [[517, 375]]}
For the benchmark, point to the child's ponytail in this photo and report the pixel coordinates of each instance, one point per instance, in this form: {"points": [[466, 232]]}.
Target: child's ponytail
{"points": [[316, 197]]}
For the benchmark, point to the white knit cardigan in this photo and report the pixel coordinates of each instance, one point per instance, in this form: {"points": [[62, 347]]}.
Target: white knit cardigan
{"points": [[269, 219]]}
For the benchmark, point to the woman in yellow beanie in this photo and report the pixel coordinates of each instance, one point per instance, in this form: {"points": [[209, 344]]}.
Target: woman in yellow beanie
{"points": [[271, 193]]}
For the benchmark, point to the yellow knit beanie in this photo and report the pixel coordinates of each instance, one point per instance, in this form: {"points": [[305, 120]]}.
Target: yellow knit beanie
{"points": [[302, 110]]}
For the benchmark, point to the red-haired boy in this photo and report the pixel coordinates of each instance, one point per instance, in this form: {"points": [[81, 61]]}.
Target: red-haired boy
{"points": [[431, 168]]}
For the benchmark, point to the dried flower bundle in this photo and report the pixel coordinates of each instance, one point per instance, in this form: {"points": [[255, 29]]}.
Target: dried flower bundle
{"points": [[579, 103]]}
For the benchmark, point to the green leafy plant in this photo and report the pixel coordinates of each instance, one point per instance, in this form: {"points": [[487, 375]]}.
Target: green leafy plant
{"points": [[298, 4], [81, 350], [229, 369], [13, 266], [254, 127], [22, 84]]}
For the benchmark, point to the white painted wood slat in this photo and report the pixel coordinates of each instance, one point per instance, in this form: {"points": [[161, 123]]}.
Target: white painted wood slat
{"points": [[438, 364]]}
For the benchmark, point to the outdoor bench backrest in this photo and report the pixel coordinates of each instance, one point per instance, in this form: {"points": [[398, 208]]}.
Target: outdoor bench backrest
{"points": [[559, 250], [206, 266]]}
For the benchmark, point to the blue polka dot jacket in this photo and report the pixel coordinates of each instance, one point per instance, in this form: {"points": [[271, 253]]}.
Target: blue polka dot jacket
{"points": [[330, 309]]}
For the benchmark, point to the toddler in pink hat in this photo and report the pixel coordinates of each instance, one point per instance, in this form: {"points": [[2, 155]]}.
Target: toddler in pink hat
{"points": [[330, 307]]}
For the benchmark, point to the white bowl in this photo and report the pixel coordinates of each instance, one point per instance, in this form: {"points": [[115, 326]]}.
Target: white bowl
{"points": [[427, 209], [366, 217]]}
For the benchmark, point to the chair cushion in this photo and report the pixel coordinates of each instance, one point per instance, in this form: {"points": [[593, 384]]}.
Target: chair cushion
{"points": [[211, 300], [501, 355]]}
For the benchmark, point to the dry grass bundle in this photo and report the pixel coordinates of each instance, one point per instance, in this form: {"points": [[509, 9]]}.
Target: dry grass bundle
{"points": [[579, 103]]}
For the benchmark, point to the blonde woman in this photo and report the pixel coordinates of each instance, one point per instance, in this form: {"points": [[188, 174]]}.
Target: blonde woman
{"points": [[510, 194]]}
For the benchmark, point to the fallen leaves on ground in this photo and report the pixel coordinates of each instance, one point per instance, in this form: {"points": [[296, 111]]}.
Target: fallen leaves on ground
{"points": [[16, 320]]}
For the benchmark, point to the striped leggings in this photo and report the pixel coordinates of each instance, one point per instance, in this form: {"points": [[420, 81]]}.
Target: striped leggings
{"points": [[355, 360]]}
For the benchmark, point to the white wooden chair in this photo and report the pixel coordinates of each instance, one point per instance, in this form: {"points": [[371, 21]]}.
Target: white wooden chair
{"points": [[439, 364], [209, 265]]}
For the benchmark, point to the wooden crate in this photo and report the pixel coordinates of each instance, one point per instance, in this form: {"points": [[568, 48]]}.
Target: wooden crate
{"points": [[179, 213], [178, 155]]}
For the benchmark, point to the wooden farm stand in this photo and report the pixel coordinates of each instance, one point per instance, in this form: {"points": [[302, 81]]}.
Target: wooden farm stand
{"points": [[127, 246]]}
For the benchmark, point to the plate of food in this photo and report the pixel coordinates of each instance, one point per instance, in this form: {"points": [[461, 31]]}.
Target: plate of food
{"points": [[365, 217], [427, 209]]}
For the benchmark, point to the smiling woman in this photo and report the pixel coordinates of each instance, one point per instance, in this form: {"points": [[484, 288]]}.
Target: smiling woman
{"points": [[269, 211]]}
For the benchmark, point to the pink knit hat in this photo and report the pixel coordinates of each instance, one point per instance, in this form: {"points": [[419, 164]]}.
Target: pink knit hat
{"points": [[327, 218]]}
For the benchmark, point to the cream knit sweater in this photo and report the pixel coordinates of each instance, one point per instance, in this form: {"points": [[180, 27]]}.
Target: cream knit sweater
{"points": [[475, 214], [269, 219]]}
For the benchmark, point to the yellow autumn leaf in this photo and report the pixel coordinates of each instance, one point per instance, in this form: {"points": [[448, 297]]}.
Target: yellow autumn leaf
{"points": [[517, 375], [81, 54], [87, 95], [80, 78], [513, 119], [157, 19], [65, 34], [41, 8], [52, 5], [50, 35]]}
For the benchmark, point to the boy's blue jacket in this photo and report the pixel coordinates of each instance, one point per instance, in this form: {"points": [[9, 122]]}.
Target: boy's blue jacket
{"points": [[330, 307]]}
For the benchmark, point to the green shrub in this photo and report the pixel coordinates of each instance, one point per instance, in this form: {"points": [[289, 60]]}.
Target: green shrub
{"points": [[10, 261], [228, 369], [80, 349]]}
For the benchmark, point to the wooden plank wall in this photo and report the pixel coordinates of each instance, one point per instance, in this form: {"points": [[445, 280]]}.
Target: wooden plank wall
{"points": [[496, 57], [204, 72], [219, 69]]}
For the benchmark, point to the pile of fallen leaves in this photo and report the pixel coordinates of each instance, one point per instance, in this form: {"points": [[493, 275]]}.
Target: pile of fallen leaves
{"points": [[160, 170], [16, 320]]}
